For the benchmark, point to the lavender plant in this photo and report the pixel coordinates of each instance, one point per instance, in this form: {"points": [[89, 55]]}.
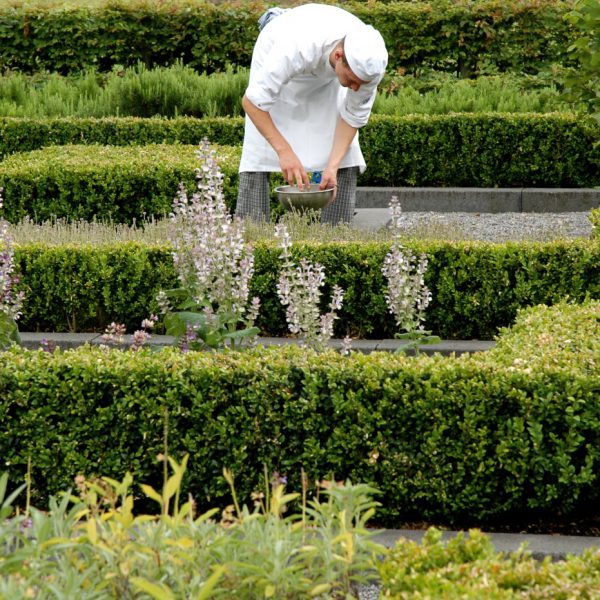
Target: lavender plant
{"points": [[214, 266], [299, 290], [10, 301], [407, 295]]}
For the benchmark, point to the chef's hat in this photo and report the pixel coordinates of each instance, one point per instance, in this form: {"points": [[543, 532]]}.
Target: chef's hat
{"points": [[365, 52]]}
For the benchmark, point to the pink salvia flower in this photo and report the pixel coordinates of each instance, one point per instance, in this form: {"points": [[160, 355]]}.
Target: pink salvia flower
{"points": [[407, 295], [210, 255], [299, 290], [10, 302]]}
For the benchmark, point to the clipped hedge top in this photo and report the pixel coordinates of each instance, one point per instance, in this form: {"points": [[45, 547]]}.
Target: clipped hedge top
{"points": [[564, 336], [90, 156], [545, 337]]}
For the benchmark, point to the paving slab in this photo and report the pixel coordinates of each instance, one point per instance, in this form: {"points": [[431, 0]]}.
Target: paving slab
{"points": [[444, 347], [34, 340]]}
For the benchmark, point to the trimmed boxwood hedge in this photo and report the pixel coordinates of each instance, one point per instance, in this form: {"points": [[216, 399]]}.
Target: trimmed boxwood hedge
{"points": [[121, 184], [519, 35], [477, 437], [482, 150], [477, 287], [26, 134], [80, 181], [469, 567]]}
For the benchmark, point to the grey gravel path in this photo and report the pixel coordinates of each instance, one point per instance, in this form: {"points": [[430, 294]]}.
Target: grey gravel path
{"points": [[491, 227]]}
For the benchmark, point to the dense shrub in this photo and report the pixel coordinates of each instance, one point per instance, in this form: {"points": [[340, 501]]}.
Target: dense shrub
{"points": [[595, 219], [136, 91], [482, 150], [476, 150], [584, 83], [454, 438], [476, 287], [24, 135], [181, 91], [468, 567], [455, 36], [120, 184]]}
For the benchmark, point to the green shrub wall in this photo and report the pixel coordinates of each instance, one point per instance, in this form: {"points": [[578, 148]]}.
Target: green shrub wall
{"points": [[476, 287], [556, 150], [457, 439], [482, 150], [109, 183], [24, 134], [455, 36]]}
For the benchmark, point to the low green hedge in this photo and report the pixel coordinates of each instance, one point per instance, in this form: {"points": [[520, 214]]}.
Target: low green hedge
{"points": [[110, 183], [26, 134], [595, 219], [473, 150], [469, 568], [476, 287], [66, 37], [477, 437], [482, 150]]}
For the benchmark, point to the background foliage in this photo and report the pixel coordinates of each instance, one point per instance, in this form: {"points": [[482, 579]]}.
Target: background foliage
{"points": [[457, 36]]}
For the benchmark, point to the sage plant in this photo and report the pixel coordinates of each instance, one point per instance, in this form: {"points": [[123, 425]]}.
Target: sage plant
{"points": [[114, 334], [214, 266], [407, 296], [10, 302], [299, 290]]}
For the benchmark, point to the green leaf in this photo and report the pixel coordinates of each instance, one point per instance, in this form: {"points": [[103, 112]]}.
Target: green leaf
{"points": [[211, 582], [158, 591]]}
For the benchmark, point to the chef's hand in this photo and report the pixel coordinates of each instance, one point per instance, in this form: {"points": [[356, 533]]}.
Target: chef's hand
{"points": [[292, 169], [329, 180]]}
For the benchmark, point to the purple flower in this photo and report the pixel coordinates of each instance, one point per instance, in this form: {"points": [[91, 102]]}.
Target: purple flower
{"points": [[299, 290]]}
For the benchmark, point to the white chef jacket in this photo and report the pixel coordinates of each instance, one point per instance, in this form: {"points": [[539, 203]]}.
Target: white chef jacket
{"points": [[292, 79]]}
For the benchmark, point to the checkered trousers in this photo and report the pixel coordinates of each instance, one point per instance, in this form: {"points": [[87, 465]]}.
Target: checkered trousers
{"points": [[254, 192]]}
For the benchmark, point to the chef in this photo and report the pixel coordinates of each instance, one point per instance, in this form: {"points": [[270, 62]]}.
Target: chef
{"points": [[313, 80]]}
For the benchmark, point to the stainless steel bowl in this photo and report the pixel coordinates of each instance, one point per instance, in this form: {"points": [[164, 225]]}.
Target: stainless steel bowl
{"points": [[290, 197]]}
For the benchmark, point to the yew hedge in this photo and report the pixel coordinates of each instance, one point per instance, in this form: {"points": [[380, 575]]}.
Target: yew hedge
{"points": [[462, 37]]}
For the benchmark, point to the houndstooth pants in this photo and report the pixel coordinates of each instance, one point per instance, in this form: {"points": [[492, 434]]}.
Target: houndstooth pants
{"points": [[254, 191]]}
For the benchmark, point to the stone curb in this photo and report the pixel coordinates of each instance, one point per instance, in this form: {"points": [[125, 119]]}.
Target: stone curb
{"points": [[481, 200], [33, 340]]}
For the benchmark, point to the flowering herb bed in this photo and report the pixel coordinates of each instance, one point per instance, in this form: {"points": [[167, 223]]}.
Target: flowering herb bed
{"points": [[476, 287]]}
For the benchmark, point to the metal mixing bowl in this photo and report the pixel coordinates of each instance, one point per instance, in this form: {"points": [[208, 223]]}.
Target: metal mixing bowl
{"points": [[291, 197]]}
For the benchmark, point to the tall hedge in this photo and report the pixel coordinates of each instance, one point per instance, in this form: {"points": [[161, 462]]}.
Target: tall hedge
{"points": [[476, 287], [458, 439], [520, 35]]}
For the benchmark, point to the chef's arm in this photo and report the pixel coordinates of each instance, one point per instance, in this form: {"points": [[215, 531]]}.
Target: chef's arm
{"points": [[290, 164], [342, 138]]}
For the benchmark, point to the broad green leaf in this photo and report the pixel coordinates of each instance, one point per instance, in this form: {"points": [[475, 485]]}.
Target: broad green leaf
{"points": [[157, 590], [151, 493], [210, 584]]}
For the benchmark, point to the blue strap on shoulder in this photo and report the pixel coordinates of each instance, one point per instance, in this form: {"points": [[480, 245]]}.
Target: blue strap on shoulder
{"points": [[269, 16]]}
